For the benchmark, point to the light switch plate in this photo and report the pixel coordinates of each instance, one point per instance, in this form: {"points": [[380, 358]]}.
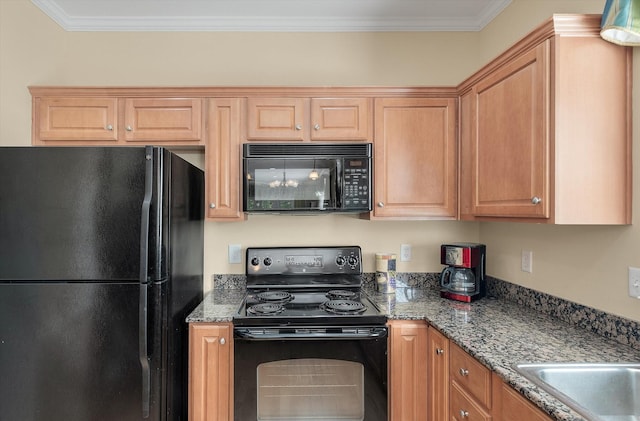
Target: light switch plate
{"points": [[634, 282], [235, 253], [527, 261], [405, 252]]}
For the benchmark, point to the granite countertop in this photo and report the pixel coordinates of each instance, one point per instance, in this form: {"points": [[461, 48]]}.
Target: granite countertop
{"points": [[497, 332]]}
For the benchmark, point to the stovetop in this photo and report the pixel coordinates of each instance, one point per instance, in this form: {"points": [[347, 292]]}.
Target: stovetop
{"points": [[305, 286], [318, 307]]}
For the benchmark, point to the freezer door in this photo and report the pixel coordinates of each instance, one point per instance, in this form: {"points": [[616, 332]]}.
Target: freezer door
{"points": [[69, 352], [70, 213]]}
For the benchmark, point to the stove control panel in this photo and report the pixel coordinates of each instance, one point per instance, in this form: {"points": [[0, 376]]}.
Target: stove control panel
{"points": [[304, 261]]}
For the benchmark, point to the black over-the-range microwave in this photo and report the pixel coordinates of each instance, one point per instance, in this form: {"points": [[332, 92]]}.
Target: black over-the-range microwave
{"points": [[308, 177]]}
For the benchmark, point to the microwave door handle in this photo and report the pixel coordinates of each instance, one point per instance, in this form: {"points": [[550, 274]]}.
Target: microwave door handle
{"points": [[338, 184]]}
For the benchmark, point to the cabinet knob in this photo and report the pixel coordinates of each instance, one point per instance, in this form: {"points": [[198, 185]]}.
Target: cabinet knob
{"points": [[129, 128], [222, 341], [535, 200], [464, 414], [212, 205], [109, 127], [298, 126], [464, 372], [381, 204], [316, 127], [439, 351]]}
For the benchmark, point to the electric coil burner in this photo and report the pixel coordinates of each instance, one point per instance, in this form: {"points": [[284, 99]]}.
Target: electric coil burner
{"points": [[306, 286], [308, 342]]}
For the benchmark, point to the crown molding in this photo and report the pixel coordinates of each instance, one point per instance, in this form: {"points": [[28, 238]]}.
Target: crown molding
{"points": [[318, 18]]}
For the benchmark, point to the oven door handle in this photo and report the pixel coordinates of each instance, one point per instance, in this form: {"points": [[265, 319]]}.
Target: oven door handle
{"points": [[271, 334]]}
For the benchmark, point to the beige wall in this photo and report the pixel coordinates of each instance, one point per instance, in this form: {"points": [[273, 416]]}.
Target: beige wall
{"points": [[586, 264]]}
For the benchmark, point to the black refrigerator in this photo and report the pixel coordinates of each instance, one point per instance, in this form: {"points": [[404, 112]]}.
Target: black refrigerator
{"points": [[101, 260]]}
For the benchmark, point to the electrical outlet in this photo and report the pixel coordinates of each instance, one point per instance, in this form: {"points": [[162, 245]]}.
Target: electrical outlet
{"points": [[405, 252], [527, 261], [634, 282], [235, 253]]}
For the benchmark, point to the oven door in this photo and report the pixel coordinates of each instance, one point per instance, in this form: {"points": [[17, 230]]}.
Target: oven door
{"points": [[291, 184], [307, 375]]}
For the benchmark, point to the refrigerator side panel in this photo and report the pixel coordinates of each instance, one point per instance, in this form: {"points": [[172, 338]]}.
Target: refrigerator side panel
{"points": [[70, 214], [68, 352], [185, 261]]}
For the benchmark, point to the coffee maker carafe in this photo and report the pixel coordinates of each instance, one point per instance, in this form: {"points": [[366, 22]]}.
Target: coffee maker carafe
{"points": [[464, 277]]}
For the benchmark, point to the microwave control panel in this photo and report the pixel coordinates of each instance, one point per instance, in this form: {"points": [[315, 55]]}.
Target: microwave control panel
{"points": [[356, 183]]}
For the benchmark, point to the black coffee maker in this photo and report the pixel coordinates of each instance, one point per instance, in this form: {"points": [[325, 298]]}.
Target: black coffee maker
{"points": [[464, 277]]}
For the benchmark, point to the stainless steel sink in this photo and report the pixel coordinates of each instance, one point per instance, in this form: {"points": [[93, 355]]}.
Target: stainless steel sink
{"points": [[599, 392]]}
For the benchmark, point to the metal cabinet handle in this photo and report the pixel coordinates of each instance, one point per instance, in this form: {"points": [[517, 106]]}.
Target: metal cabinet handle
{"points": [[129, 128], [222, 341], [109, 127], [298, 126], [464, 372], [381, 204], [316, 127], [439, 351], [464, 414], [212, 205], [535, 200]]}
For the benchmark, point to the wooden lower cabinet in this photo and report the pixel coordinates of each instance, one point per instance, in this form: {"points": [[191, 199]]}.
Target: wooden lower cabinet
{"points": [[407, 386], [437, 375], [509, 405], [210, 372]]}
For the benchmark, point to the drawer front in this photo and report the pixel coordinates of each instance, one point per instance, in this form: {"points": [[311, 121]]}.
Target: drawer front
{"points": [[463, 407], [471, 375]]}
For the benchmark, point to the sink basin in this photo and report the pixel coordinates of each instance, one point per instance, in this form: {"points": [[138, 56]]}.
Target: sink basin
{"points": [[599, 392]]}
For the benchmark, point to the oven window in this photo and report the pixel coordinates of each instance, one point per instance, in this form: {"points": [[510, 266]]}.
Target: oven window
{"points": [[311, 388]]}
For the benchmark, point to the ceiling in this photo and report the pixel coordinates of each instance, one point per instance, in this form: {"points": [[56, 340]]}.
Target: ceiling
{"points": [[272, 15]]}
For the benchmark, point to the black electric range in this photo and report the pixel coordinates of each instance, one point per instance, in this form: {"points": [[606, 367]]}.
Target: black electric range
{"points": [[304, 288]]}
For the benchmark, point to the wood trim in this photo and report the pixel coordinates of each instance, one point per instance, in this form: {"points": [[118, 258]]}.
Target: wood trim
{"points": [[559, 24], [245, 91]]}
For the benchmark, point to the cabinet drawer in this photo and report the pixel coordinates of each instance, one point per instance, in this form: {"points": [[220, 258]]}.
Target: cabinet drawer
{"points": [[471, 375], [463, 407]]}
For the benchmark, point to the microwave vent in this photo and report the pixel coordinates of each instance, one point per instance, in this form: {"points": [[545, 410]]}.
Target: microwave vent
{"points": [[314, 150]]}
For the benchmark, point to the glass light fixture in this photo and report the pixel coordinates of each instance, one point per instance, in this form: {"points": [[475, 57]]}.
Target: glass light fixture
{"points": [[313, 175], [621, 22]]}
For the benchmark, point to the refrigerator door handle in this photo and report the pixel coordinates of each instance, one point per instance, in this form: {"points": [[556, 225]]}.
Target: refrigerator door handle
{"points": [[144, 279]]}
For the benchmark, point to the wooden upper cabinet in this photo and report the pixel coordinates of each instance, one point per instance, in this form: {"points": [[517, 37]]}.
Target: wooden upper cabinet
{"points": [[173, 120], [510, 149], [415, 158], [222, 159], [60, 118], [74, 120], [341, 119], [303, 119], [545, 129]]}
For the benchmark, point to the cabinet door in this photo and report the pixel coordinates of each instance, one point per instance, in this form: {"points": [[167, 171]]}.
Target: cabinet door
{"points": [[341, 119], [173, 120], [61, 120], [510, 405], [510, 146], [278, 119], [415, 158], [438, 375], [210, 372], [222, 156], [407, 370]]}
